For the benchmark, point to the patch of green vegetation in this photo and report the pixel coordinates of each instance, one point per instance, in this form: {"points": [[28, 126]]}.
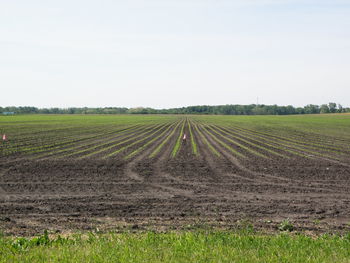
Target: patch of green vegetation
{"points": [[317, 221], [286, 225], [184, 246]]}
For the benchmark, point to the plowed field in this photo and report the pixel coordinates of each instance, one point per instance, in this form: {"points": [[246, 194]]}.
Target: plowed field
{"points": [[85, 172]]}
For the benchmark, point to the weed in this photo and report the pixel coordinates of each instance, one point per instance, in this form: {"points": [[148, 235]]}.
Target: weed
{"points": [[286, 225], [317, 221]]}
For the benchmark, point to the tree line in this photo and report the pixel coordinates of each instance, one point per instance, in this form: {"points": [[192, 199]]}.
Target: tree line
{"points": [[252, 109]]}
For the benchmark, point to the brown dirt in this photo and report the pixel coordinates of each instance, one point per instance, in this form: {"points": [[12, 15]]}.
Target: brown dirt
{"points": [[164, 192]]}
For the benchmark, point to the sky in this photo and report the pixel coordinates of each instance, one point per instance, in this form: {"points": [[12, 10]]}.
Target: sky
{"points": [[174, 53]]}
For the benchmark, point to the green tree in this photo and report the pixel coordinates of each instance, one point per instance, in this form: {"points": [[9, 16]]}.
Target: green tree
{"points": [[332, 107], [324, 108], [340, 108]]}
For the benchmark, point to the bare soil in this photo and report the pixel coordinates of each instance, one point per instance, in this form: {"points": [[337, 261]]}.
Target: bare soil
{"points": [[166, 193]]}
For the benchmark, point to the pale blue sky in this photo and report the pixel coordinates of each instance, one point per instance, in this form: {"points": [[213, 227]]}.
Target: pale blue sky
{"points": [[162, 53]]}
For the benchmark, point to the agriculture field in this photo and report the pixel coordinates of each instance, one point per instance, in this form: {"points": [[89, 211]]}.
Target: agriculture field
{"points": [[65, 172]]}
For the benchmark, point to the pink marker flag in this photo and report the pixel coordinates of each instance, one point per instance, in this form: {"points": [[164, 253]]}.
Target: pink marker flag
{"points": [[4, 137]]}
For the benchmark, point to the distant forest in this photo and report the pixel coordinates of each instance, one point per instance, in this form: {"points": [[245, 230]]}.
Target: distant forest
{"points": [[252, 109]]}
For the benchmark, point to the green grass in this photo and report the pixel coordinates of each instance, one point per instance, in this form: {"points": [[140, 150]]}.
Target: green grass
{"points": [[185, 246]]}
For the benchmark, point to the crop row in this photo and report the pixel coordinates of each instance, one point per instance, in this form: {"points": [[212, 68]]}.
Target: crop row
{"points": [[57, 141], [156, 137], [283, 144], [238, 137]]}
